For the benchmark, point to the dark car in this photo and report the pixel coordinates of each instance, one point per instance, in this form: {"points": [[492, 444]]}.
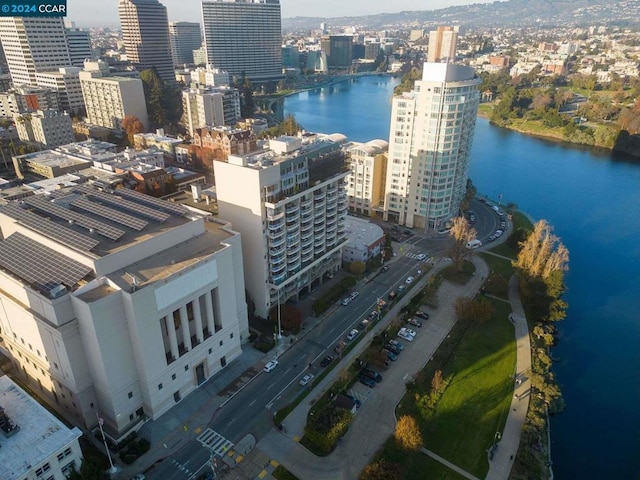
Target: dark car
{"points": [[392, 295], [414, 322], [367, 372], [363, 325], [408, 232], [384, 269], [369, 382], [392, 356], [422, 315], [392, 348], [326, 361], [355, 400]]}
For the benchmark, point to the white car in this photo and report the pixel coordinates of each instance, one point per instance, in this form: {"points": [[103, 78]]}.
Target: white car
{"points": [[409, 280], [352, 334], [307, 379], [346, 301], [270, 366], [354, 295], [408, 331], [421, 256], [405, 335]]}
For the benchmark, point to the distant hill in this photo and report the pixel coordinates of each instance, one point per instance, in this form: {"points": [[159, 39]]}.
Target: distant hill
{"points": [[511, 13]]}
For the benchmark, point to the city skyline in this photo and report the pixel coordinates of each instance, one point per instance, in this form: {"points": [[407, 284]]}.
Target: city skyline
{"points": [[106, 13]]}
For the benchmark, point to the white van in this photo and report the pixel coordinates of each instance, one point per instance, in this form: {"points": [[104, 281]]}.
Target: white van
{"points": [[473, 244]]}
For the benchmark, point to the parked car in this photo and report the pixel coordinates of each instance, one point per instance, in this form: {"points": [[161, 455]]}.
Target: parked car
{"points": [[384, 269], [405, 335], [408, 331], [503, 225], [138, 476], [373, 314], [392, 295], [392, 348], [396, 344], [270, 366], [346, 301], [422, 315], [498, 233], [392, 356], [355, 400], [352, 334], [414, 322], [304, 381], [401, 288], [492, 238], [354, 295], [363, 324], [367, 372], [369, 382], [421, 256], [326, 361], [409, 280], [340, 347]]}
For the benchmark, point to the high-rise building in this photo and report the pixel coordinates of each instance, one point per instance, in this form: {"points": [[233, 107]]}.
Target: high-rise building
{"points": [[442, 45], [108, 99], [79, 42], [145, 30], [47, 128], [185, 37], [244, 37], [116, 304], [291, 213], [28, 97], [33, 45], [66, 81], [208, 107], [365, 183], [429, 144], [338, 49]]}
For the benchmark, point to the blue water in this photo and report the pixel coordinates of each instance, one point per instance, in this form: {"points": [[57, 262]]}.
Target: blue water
{"points": [[593, 201]]}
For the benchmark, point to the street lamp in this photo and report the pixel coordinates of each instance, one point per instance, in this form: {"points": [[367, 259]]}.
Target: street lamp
{"points": [[113, 468]]}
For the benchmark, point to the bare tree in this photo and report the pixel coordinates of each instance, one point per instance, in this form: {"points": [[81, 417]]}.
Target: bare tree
{"points": [[542, 253], [461, 233]]}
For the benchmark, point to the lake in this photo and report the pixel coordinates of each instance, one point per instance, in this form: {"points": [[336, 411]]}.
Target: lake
{"points": [[593, 201]]}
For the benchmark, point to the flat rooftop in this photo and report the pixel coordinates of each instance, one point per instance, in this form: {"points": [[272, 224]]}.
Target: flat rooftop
{"points": [[361, 233], [40, 436], [54, 159]]}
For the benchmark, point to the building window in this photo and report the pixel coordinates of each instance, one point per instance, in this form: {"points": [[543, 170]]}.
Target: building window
{"points": [[223, 362], [231, 335], [140, 412], [210, 350], [176, 396], [221, 342], [173, 376], [159, 386], [130, 394], [131, 417], [186, 368], [68, 468]]}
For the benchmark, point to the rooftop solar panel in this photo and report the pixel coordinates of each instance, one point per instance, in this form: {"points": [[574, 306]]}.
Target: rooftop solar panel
{"points": [[109, 213], [178, 210], [49, 229], [84, 221], [115, 200], [40, 266]]}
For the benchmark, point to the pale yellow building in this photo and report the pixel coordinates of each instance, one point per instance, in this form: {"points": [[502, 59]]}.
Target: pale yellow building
{"points": [[366, 180]]}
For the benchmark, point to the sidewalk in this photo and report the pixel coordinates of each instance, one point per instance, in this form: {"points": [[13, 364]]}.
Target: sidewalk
{"points": [[500, 465], [375, 420]]}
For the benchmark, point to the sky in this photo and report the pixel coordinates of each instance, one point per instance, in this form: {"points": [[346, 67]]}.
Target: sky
{"points": [[95, 13]]}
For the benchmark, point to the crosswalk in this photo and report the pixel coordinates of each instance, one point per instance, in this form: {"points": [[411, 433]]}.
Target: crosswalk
{"points": [[215, 442]]}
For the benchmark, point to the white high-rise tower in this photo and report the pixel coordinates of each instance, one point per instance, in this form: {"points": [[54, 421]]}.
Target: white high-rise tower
{"points": [[429, 143], [33, 45]]}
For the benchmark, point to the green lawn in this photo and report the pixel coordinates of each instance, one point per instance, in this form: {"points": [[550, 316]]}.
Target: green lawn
{"points": [[474, 406], [451, 273]]}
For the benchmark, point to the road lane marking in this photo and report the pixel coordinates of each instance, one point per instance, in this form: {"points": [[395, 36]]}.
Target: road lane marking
{"points": [[253, 402]]}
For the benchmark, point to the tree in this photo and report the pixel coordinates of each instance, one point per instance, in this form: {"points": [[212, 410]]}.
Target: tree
{"points": [[153, 94], [478, 309], [290, 318], [131, 125], [461, 233], [357, 267], [542, 253], [408, 433], [470, 193], [247, 105], [381, 470], [437, 382]]}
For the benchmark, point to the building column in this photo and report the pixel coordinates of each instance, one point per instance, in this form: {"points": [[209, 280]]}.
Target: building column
{"points": [[209, 306], [184, 321], [173, 340], [198, 319]]}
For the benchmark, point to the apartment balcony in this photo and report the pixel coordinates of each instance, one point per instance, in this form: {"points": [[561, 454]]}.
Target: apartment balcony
{"points": [[293, 250], [292, 208], [276, 242], [273, 226], [332, 189], [292, 239], [293, 218], [272, 217], [331, 243], [307, 256], [332, 201], [331, 231], [319, 250], [278, 279], [274, 252], [305, 204], [293, 263], [306, 234], [319, 195]]}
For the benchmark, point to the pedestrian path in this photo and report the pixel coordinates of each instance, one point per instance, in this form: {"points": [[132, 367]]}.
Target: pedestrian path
{"points": [[447, 463], [215, 442]]}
